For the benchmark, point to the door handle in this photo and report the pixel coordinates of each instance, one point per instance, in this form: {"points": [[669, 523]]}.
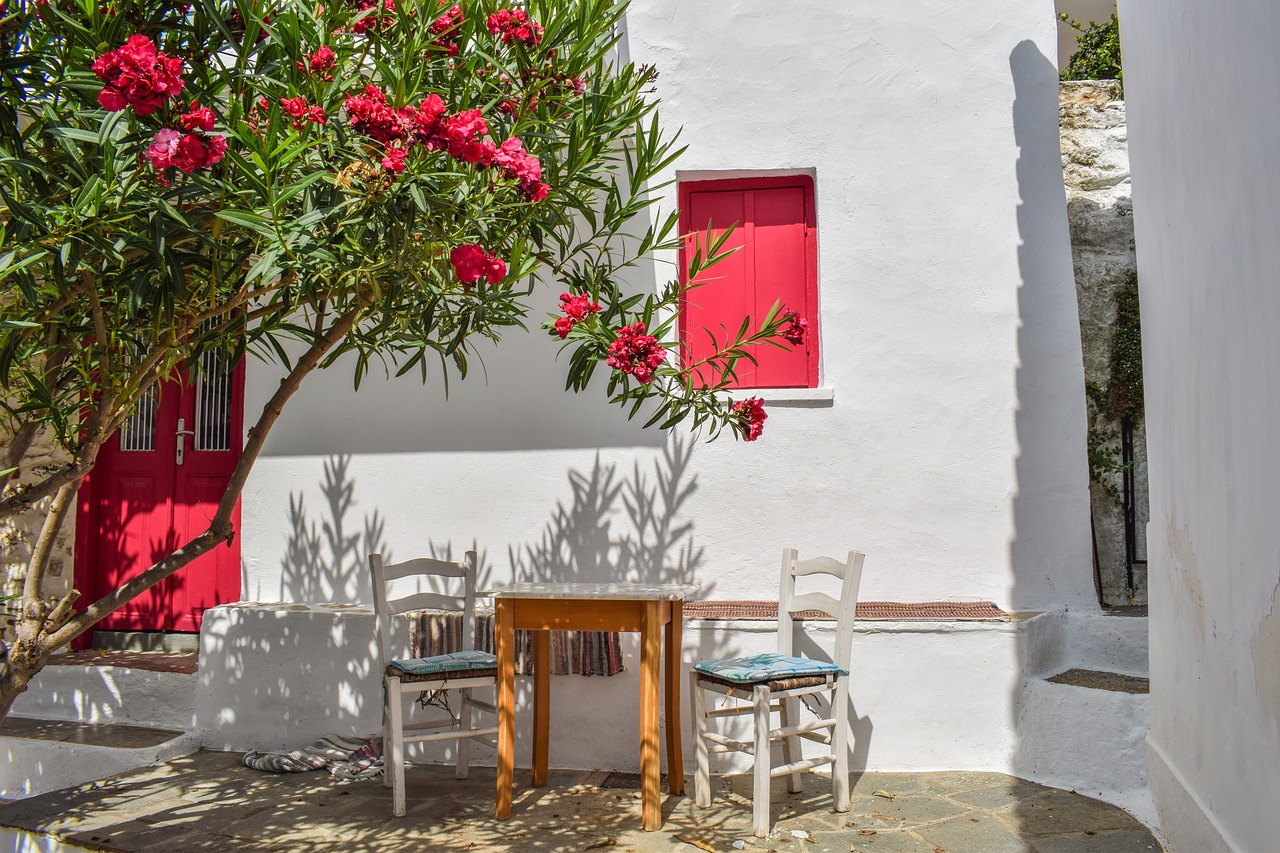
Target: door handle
{"points": [[182, 442]]}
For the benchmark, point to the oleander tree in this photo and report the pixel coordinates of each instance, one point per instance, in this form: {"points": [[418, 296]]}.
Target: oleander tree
{"points": [[385, 180]]}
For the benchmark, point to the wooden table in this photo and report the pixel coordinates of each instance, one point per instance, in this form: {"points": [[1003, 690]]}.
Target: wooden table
{"points": [[546, 607]]}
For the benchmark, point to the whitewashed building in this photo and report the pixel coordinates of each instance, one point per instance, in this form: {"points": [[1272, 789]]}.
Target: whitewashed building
{"points": [[943, 434], [939, 424]]}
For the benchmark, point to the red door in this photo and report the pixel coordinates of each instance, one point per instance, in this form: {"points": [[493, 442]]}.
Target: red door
{"points": [[156, 485]]}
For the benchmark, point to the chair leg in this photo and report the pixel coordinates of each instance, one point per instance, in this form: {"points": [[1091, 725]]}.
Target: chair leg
{"points": [[840, 743], [386, 734], [760, 794], [466, 723], [394, 753], [791, 751], [702, 768]]}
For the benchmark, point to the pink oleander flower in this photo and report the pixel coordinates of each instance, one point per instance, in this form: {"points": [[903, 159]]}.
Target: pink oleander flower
{"points": [[320, 63], [576, 306], [536, 192], [751, 416], [446, 29], [137, 76], [519, 164], [795, 330], [462, 130], [635, 353], [394, 159], [196, 151], [372, 21], [370, 114], [161, 150], [296, 107], [448, 22], [425, 121], [301, 111], [198, 118], [514, 25], [472, 263]]}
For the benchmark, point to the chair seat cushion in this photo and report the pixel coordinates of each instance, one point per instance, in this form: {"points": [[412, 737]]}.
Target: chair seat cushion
{"points": [[765, 667], [454, 664]]}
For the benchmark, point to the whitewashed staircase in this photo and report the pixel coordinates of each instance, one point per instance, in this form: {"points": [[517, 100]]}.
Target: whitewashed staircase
{"points": [[1078, 726], [96, 714]]}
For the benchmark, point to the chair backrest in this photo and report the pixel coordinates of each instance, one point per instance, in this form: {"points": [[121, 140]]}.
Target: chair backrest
{"points": [[385, 608], [789, 603]]}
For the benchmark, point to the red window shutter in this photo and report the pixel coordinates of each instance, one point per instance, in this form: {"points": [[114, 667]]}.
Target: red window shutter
{"points": [[773, 228]]}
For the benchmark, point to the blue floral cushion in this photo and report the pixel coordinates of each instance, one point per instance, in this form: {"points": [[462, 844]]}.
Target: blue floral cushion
{"points": [[766, 667], [443, 664]]}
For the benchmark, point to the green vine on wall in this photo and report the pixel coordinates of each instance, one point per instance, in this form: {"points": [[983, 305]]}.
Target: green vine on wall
{"points": [[1097, 55], [1124, 384], [1123, 395]]}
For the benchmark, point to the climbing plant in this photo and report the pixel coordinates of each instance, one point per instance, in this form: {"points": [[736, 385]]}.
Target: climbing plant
{"points": [[1097, 55], [1122, 395]]}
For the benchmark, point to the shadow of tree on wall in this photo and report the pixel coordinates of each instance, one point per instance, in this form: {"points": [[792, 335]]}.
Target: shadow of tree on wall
{"points": [[613, 528], [324, 559], [585, 539]]}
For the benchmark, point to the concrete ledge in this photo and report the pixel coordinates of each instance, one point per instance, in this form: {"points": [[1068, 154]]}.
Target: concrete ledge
{"points": [[34, 767], [110, 694]]}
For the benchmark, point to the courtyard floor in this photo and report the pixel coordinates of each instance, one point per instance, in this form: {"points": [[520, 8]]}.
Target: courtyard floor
{"points": [[210, 801]]}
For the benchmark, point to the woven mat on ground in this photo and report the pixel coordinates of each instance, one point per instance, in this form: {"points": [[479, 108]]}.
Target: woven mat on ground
{"points": [[439, 632], [871, 611], [344, 757]]}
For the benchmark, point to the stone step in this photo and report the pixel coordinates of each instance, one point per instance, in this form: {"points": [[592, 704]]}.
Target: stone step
{"points": [[48, 755], [1096, 679], [1061, 640], [1086, 730], [148, 689]]}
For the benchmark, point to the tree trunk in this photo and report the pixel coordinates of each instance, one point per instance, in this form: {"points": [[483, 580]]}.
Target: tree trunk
{"points": [[21, 665], [43, 629]]}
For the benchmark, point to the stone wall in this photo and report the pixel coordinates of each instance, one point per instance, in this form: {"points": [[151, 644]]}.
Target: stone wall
{"points": [[1095, 165], [18, 536]]}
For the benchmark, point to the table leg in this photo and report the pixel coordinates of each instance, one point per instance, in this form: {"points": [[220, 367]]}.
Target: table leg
{"points": [[541, 705], [650, 658], [505, 646], [675, 759]]}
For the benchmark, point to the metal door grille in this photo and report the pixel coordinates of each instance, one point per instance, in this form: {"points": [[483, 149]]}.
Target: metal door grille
{"points": [[213, 403], [139, 432]]}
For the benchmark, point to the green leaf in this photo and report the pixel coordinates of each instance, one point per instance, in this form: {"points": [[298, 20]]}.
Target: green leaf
{"points": [[252, 221]]}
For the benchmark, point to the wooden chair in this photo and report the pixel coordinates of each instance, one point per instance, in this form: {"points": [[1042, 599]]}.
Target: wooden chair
{"points": [[777, 682], [462, 671]]}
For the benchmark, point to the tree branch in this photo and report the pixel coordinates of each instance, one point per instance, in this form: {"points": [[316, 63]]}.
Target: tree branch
{"points": [[72, 472], [39, 562]]}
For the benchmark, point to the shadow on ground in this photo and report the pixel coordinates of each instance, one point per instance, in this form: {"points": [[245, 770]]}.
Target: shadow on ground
{"points": [[209, 801]]}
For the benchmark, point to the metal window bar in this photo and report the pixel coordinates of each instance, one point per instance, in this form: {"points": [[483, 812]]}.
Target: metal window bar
{"points": [[138, 433], [1129, 501], [213, 403]]}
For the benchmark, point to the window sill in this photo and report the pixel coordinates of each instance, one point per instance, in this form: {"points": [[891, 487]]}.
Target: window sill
{"points": [[810, 398]]}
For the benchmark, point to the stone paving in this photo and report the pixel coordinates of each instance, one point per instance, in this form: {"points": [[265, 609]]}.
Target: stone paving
{"points": [[209, 801]]}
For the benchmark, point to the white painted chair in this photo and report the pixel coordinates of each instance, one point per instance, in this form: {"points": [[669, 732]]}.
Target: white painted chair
{"points": [[462, 671], [778, 682]]}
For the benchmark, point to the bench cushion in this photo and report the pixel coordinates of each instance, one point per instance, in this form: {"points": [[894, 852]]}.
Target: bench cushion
{"points": [[452, 664], [764, 667]]}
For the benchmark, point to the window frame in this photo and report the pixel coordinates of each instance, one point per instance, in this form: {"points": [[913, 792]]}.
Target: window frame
{"points": [[809, 287]]}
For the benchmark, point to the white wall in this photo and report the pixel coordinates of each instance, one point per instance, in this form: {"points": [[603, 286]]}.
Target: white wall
{"points": [[1200, 87], [926, 696], [951, 446]]}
